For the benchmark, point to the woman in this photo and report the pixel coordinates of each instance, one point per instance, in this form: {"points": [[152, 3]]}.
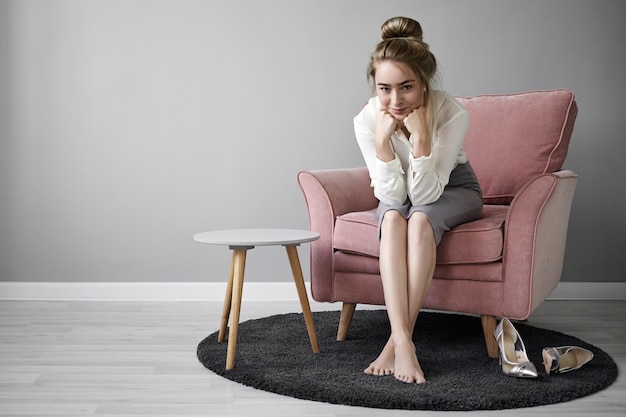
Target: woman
{"points": [[411, 137]]}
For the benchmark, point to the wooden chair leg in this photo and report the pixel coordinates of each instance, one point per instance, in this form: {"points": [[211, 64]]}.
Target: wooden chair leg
{"points": [[347, 311], [489, 326]]}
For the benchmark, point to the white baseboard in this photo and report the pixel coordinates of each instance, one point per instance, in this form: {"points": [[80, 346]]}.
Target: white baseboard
{"points": [[214, 291], [147, 291]]}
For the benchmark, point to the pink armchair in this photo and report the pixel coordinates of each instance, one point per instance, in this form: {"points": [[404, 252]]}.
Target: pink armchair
{"points": [[502, 265]]}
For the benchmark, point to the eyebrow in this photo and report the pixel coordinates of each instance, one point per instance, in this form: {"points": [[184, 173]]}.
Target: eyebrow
{"points": [[401, 84]]}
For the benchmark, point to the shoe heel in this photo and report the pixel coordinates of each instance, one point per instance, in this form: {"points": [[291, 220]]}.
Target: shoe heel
{"points": [[550, 359]]}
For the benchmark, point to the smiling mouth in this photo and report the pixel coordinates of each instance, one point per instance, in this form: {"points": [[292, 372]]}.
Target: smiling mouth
{"points": [[398, 111]]}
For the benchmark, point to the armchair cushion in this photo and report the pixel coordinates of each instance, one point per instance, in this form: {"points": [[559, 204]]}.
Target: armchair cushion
{"points": [[530, 137], [480, 241]]}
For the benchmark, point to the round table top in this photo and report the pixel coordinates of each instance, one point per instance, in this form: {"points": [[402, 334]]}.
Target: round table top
{"points": [[256, 237]]}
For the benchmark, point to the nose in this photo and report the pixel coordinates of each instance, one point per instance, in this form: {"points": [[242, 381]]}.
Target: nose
{"points": [[396, 98]]}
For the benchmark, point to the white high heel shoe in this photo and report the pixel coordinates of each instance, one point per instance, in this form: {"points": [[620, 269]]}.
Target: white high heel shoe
{"points": [[513, 358]]}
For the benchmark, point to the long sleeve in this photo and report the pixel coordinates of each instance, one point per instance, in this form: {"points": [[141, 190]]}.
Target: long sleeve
{"points": [[387, 178], [430, 175], [423, 179]]}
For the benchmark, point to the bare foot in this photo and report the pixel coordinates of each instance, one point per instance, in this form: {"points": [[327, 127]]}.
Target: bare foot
{"points": [[383, 365], [407, 367]]}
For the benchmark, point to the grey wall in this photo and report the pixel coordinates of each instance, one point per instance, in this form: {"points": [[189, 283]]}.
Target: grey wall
{"points": [[127, 126]]}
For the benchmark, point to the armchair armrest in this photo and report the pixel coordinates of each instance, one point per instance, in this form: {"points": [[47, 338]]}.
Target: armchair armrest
{"points": [[534, 241], [328, 194]]}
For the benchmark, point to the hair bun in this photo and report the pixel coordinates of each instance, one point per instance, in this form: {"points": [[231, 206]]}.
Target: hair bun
{"points": [[401, 27]]}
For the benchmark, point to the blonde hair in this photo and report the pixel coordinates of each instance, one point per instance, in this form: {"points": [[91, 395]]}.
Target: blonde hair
{"points": [[402, 42]]}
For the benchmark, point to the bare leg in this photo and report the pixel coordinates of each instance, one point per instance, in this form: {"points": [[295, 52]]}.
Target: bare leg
{"points": [[422, 257], [393, 271], [408, 256]]}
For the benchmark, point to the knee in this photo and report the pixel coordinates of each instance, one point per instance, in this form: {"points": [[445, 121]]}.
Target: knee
{"points": [[393, 221], [420, 227], [393, 217]]}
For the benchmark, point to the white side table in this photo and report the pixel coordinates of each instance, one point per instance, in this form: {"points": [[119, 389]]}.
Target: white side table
{"points": [[240, 241]]}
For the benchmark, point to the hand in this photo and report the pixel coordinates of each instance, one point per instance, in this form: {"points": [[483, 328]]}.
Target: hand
{"points": [[417, 124], [386, 124]]}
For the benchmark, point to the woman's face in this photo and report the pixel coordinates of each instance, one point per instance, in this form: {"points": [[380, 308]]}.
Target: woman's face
{"points": [[399, 89]]}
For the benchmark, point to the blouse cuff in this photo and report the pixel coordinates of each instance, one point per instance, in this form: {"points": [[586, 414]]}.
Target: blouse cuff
{"points": [[391, 169], [422, 164]]}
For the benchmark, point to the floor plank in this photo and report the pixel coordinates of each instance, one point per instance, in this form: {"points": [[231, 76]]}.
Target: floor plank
{"points": [[136, 359]]}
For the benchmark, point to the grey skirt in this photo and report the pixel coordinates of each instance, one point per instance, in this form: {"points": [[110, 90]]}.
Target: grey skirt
{"points": [[461, 202]]}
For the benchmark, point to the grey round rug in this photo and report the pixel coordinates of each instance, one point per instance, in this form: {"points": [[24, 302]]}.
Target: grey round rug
{"points": [[274, 354]]}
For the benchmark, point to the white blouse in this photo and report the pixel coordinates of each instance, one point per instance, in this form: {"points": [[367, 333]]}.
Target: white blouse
{"points": [[421, 179]]}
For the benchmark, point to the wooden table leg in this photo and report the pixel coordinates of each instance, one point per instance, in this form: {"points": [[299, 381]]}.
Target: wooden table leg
{"points": [[227, 301], [296, 269], [237, 290]]}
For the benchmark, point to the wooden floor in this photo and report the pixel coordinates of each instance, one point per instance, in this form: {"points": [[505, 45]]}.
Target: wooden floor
{"points": [[139, 359]]}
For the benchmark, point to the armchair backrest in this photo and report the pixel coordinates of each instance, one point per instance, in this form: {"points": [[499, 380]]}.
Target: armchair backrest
{"points": [[513, 138]]}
